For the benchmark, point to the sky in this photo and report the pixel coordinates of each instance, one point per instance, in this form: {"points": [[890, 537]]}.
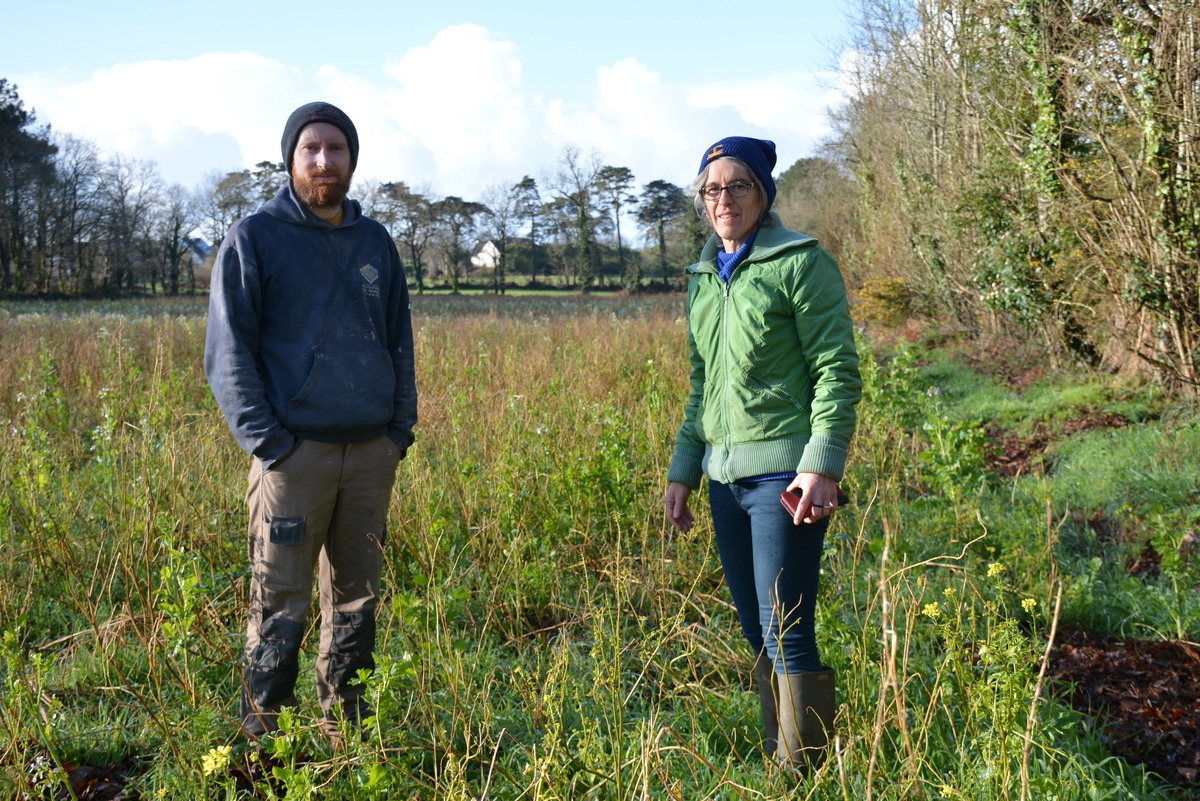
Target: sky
{"points": [[451, 97]]}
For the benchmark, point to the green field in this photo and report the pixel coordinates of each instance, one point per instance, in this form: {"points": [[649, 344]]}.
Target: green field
{"points": [[544, 634]]}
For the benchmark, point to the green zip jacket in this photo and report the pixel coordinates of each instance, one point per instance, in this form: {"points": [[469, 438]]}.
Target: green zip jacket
{"points": [[774, 370]]}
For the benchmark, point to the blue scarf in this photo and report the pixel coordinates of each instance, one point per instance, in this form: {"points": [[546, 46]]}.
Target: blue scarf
{"points": [[728, 262]]}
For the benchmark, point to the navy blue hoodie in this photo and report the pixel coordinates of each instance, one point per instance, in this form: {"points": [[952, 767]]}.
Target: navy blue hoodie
{"points": [[309, 331]]}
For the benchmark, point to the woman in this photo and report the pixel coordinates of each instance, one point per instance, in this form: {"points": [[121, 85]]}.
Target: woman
{"points": [[774, 383]]}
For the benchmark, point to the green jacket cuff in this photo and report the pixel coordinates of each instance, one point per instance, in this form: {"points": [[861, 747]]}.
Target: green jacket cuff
{"points": [[824, 455], [685, 468]]}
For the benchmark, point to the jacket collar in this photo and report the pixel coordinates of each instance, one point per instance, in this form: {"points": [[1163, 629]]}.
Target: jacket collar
{"points": [[769, 242]]}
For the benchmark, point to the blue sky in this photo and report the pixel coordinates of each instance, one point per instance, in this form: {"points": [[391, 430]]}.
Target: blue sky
{"points": [[450, 97]]}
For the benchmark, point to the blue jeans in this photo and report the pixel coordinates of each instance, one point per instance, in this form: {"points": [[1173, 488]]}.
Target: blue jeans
{"points": [[772, 568]]}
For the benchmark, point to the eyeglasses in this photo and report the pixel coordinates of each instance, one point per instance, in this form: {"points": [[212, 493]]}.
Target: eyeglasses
{"points": [[736, 189]]}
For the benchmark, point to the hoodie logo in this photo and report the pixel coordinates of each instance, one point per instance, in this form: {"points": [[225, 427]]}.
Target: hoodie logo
{"points": [[370, 275]]}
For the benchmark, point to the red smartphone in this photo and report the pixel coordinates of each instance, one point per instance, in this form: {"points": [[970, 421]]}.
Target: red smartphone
{"points": [[791, 500]]}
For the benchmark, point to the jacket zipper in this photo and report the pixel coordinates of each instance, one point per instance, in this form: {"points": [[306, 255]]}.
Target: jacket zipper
{"points": [[725, 374], [776, 392]]}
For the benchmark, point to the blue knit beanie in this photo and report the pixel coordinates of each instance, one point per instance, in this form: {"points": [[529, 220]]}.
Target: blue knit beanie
{"points": [[317, 112], [757, 154]]}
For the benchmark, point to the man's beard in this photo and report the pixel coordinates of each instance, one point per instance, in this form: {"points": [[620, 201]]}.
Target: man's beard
{"points": [[322, 195]]}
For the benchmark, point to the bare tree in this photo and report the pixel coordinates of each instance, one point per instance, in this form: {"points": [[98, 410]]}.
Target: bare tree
{"points": [[177, 217], [76, 216], [504, 206], [613, 187], [409, 217], [660, 203], [1141, 181], [816, 196], [130, 190], [228, 198], [574, 185], [530, 208], [456, 220], [559, 235], [905, 134], [234, 195]]}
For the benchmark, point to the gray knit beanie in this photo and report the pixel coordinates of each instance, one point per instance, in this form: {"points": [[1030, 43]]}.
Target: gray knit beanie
{"points": [[317, 112]]}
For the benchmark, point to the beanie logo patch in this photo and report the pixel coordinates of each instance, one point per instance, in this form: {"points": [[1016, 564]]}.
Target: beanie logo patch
{"points": [[717, 151]]}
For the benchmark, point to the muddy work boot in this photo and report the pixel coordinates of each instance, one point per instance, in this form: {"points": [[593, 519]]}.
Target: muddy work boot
{"points": [[350, 648], [269, 677]]}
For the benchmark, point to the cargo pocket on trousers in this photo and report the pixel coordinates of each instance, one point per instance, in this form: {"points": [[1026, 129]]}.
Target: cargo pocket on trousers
{"points": [[287, 530]]}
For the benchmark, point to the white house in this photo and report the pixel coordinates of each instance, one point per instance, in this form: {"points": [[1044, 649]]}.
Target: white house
{"points": [[486, 255]]}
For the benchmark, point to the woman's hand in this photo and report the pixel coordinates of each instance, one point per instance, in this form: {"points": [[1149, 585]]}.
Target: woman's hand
{"points": [[676, 502], [818, 497]]}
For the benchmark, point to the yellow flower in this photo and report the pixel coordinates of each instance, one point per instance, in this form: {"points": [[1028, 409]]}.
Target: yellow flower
{"points": [[217, 759], [932, 610], [1029, 604], [950, 593], [995, 569]]}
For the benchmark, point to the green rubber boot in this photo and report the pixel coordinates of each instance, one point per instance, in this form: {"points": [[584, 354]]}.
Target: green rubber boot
{"points": [[764, 674], [807, 703]]}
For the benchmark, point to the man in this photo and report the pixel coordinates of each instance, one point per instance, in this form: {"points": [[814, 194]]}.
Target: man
{"points": [[310, 357]]}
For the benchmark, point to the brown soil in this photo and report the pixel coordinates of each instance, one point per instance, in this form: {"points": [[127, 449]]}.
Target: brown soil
{"points": [[106, 783], [1144, 696], [1013, 455]]}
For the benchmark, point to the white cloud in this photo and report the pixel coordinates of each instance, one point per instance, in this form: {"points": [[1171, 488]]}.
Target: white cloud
{"points": [[216, 111], [460, 100], [792, 110], [454, 115], [643, 123]]}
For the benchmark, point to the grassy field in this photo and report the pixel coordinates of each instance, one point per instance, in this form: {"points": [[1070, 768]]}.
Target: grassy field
{"points": [[544, 635]]}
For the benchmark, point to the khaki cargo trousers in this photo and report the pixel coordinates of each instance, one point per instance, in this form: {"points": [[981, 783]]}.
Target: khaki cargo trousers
{"points": [[324, 508]]}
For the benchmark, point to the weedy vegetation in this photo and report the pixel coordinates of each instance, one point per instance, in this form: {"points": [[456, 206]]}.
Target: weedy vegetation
{"points": [[544, 634]]}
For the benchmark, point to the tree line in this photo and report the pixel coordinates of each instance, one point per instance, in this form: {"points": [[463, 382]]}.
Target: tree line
{"points": [[998, 166], [74, 221], [1031, 166]]}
